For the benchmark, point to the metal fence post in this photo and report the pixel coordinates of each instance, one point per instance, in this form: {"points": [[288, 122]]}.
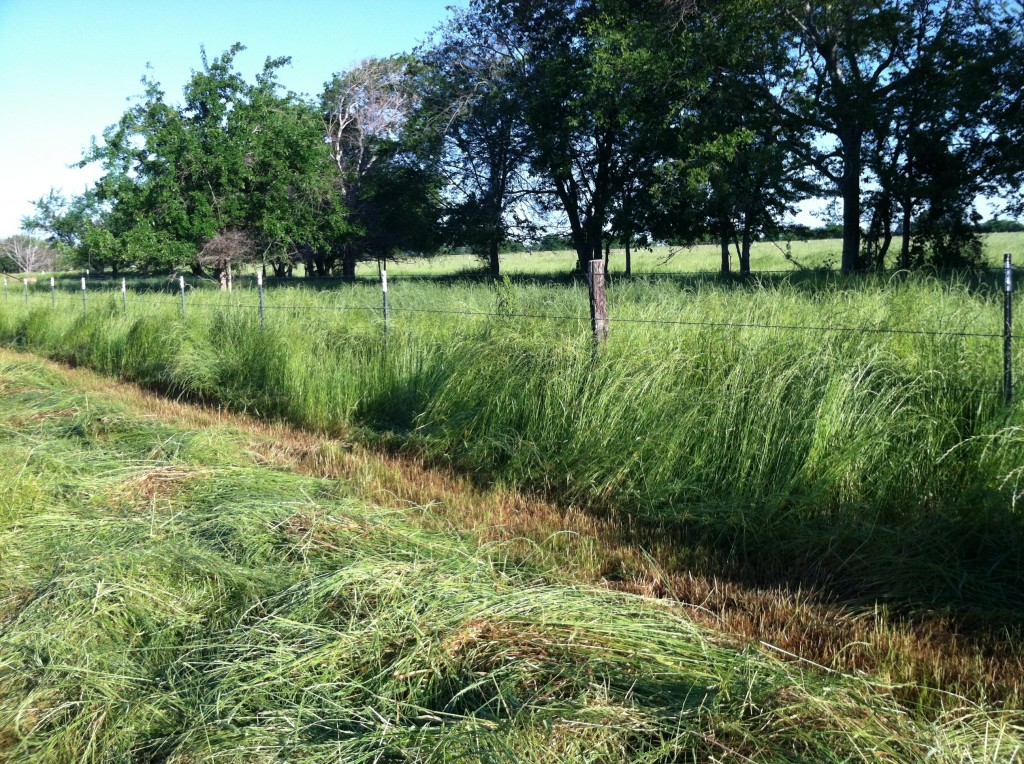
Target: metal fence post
{"points": [[259, 283], [26, 291], [53, 292], [1008, 329], [384, 286], [84, 306], [124, 294], [5, 288], [181, 283]]}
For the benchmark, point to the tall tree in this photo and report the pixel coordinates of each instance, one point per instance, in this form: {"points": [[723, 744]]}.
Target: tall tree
{"points": [[470, 97], [234, 156], [999, 108], [928, 145], [385, 174], [846, 60], [733, 173], [587, 91]]}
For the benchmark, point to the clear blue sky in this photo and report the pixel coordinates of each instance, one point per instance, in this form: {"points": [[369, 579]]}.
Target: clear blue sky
{"points": [[68, 67]]}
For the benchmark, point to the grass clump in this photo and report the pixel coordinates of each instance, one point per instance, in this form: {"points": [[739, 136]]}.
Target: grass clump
{"points": [[163, 599]]}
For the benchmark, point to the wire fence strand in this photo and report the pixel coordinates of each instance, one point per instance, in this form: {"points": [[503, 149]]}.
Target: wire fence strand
{"points": [[555, 317]]}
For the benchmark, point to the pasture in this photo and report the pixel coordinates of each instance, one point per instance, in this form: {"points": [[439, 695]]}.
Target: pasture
{"points": [[665, 260], [838, 445]]}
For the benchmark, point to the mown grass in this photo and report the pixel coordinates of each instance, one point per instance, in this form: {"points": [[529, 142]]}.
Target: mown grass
{"points": [[164, 599], [869, 468]]}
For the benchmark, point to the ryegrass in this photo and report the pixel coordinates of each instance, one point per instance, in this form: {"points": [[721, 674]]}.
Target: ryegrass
{"points": [[164, 599], [885, 465], [880, 473]]}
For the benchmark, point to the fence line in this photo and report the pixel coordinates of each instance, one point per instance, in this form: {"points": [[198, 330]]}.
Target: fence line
{"points": [[1006, 335], [565, 317]]}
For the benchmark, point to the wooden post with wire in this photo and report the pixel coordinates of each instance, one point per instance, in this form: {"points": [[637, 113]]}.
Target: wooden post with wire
{"points": [[259, 283], [1007, 329], [598, 302], [384, 288]]}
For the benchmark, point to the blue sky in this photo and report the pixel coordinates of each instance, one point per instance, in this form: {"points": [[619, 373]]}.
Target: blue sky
{"points": [[69, 67]]}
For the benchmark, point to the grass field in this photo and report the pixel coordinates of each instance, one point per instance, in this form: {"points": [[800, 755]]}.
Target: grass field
{"points": [[767, 438], [880, 473], [662, 260], [164, 597], [559, 265]]}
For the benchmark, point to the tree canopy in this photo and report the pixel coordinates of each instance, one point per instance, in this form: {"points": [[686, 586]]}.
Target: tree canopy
{"points": [[598, 120]]}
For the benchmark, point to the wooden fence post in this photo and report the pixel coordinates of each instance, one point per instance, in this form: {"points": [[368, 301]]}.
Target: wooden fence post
{"points": [[598, 303], [384, 287], [1008, 329]]}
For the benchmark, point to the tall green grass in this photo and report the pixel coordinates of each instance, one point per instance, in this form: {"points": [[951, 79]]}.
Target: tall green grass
{"points": [[884, 465], [162, 599]]}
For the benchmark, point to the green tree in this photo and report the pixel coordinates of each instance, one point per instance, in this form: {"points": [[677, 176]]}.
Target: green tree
{"points": [[385, 174], [928, 146], [844, 63], [999, 110], [233, 157], [880, 86], [592, 92], [470, 98], [733, 173]]}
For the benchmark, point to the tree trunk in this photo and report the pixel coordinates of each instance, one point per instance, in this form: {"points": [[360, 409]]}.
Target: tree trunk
{"points": [[723, 234], [908, 208], [348, 264], [849, 188], [493, 261], [629, 257], [745, 251], [886, 237]]}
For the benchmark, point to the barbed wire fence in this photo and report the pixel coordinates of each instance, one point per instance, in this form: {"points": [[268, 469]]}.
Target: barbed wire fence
{"points": [[599, 318]]}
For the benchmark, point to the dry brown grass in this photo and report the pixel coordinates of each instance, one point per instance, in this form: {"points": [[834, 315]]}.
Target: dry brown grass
{"points": [[804, 625]]}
